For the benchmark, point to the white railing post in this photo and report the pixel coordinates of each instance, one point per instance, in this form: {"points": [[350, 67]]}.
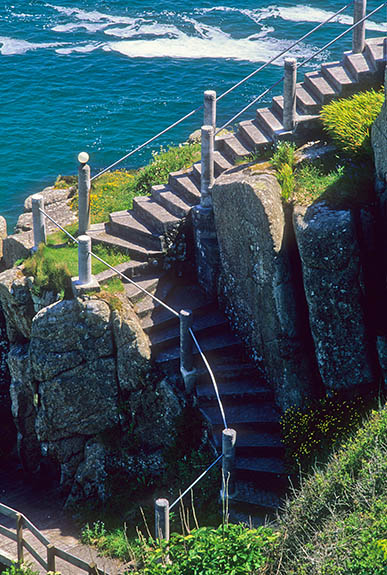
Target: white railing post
{"points": [[207, 177], [162, 519], [358, 38], [84, 260], [290, 81], [210, 109], [84, 185], [186, 351], [38, 221], [228, 463]]}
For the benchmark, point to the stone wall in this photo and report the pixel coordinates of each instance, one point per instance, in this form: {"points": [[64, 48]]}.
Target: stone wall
{"points": [[80, 376], [301, 290]]}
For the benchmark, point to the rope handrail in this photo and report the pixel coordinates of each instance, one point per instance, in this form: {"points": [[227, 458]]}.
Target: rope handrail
{"points": [[195, 482], [159, 301], [228, 91], [258, 98]]}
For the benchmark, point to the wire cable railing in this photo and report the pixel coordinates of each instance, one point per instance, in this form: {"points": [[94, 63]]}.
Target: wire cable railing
{"points": [[234, 87], [160, 302], [325, 47]]}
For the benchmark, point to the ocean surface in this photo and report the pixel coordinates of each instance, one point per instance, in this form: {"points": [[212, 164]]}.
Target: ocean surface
{"points": [[104, 76]]}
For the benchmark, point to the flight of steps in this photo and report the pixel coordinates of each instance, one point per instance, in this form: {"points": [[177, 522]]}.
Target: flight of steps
{"points": [[248, 401], [141, 233]]}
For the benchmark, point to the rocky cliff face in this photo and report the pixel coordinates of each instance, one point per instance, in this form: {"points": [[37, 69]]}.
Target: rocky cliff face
{"points": [[299, 288], [81, 373]]}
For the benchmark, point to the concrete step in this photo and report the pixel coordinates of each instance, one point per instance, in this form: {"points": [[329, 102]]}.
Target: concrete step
{"points": [[128, 226], [277, 107], [269, 123], [249, 493], [306, 101], [170, 201], [265, 415], [149, 282], [147, 307], [221, 164], [250, 133], [153, 215], [340, 78], [374, 51], [270, 470], [99, 235], [321, 89], [184, 184], [210, 344], [242, 388], [168, 335], [254, 444], [232, 148], [131, 269], [361, 67]]}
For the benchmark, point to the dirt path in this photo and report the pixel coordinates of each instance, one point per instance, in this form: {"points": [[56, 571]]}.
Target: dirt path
{"points": [[43, 507]]}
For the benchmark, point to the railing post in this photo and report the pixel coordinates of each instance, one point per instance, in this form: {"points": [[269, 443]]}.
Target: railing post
{"points": [[84, 185], [358, 38], [51, 557], [290, 81], [38, 220], [19, 538], [210, 109], [186, 351], [84, 260], [228, 463], [93, 569], [207, 177], [162, 519]]}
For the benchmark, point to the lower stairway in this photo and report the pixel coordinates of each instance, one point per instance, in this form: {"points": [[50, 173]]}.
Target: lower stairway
{"points": [[248, 401]]}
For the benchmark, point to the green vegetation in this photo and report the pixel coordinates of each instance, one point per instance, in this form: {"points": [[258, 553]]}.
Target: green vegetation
{"points": [[336, 524], [53, 265], [114, 191], [226, 550], [23, 569], [311, 433], [348, 121]]}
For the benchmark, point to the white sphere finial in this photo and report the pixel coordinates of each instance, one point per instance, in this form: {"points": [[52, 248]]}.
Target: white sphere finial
{"points": [[83, 157]]}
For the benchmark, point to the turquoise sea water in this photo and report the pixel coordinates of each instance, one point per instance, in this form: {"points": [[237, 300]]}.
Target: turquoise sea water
{"points": [[103, 76]]}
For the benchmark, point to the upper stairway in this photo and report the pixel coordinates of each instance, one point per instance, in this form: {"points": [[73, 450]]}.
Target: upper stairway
{"points": [[142, 231]]}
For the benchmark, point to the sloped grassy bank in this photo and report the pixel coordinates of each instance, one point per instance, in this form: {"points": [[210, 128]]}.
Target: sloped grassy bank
{"points": [[335, 524]]}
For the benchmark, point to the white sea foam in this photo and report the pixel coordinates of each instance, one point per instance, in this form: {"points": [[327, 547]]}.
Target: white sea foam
{"points": [[93, 16], [12, 46], [79, 49], [88, 26], [296, 13], [217, 44], [144, 30]]}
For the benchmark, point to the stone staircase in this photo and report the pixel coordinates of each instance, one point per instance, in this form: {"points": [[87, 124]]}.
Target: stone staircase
{"points": [[143, 233], [248, 401]]}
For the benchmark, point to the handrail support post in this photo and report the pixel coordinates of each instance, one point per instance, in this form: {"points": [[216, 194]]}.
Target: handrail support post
{"points": [[162, 519], [84, 186], [358, 37], [85, 281], [38, 221], [207, 162], [228, 464], [210, 109], [290, 81], [51, 557], [186, 351]]}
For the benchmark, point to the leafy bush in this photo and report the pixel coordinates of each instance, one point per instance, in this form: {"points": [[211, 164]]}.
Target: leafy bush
{"points": [[49, 274], [317, 429], [225, 550], [283, 161], [348, 121], [23, 569]]}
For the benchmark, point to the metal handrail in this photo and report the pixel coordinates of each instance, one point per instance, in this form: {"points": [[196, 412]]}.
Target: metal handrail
{"points": [[159, 301], [228, 91], [327, 45]]}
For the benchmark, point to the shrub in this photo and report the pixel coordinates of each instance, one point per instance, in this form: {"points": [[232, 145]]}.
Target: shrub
{"points": [[348, 121], [49, 274], [23, 569], [283, 161]]}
